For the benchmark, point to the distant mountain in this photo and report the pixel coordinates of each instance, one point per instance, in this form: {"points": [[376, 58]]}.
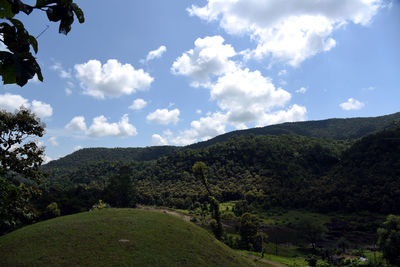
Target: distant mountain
{"points": [[87, 155], [338, 129]]}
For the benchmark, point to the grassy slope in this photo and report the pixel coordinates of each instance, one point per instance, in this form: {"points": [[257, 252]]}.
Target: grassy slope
{"points": [[93, 239]]}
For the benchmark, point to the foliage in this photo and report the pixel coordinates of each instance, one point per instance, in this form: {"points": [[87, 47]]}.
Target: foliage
{"points": [[15, 205], [311, 230], [52, 210], [312, 260], [20, 160], [18, 65], [389, 239], [100, 205], [338, 129], [121, 191], [199, 171], [18, 154], [257, 172], [249, 224]]}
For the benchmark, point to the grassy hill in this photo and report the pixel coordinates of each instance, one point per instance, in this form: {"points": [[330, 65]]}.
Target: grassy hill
{"points": [[116, 237]]}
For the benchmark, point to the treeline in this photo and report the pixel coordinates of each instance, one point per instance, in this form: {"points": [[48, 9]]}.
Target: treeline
{"points": [[266, 171]]}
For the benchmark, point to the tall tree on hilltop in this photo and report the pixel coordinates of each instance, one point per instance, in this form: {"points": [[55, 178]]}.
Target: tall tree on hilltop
{"points": [[199, 171]]}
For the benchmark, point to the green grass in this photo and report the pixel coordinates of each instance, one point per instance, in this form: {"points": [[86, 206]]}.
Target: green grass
{"points": [[94, 239]]}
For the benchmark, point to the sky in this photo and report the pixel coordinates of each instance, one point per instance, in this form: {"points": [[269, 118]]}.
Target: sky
{"points": [[156, 72]]}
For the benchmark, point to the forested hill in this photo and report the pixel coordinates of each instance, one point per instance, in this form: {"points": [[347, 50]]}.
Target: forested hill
{"points": [[338, 129], [87, 155], [267, 171]]}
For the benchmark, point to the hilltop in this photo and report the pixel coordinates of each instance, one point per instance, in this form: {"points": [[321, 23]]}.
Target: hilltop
{"points": [[116, 237]]}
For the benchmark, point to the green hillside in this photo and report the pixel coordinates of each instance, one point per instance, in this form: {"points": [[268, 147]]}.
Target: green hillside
{"points": [[339, 129], [87, 155], [116, 237]]}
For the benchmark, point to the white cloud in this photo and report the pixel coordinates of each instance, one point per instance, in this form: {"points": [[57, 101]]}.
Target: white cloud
{"points": [[294, 113], [209, 56], [158, 140], [138, 104], [202, 129], [302, 90], [12, 103], [53, 141], [101, 127], [246, 96], [154, 54], [77, 124], [61, 71], [288, 31], [198, 111], [112, 79], [164, 116], [352, 104], [76, 148], [41, 109]]}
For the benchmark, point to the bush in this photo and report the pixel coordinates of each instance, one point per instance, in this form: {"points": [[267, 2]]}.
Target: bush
{"points": [[100, 205]]}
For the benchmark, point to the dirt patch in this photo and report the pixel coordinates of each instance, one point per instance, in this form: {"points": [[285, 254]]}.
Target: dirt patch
{"points": [[164, 210]]}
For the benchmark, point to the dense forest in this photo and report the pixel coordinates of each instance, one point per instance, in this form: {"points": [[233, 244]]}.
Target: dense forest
{"points": [[290, 171]]}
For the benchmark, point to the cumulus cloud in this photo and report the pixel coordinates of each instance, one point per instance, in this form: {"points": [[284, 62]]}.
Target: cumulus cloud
{"points": [[112, 79], [101, 127], [164, 116], [202, 129], [138, 104], [77, 124], [41, 109], [294, 113], [288, 31], [12, 103], [247, 95], [302, 90], [154, 54], [210, 56], [53, 141], [352, 104], [158, 140]]}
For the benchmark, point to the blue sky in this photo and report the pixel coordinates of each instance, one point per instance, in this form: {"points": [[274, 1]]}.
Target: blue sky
{"points": [[142, 73]]}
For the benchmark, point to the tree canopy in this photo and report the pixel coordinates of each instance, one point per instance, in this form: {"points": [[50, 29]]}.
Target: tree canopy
{"points": [[20, 160]]}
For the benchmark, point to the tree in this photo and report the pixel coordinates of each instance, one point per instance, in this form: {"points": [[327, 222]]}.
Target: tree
{"points": [[389, 239], [199, 170], [121, 191], [19, 154], [311, 230], [249, 224], [20, 160], [18, 65]]}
